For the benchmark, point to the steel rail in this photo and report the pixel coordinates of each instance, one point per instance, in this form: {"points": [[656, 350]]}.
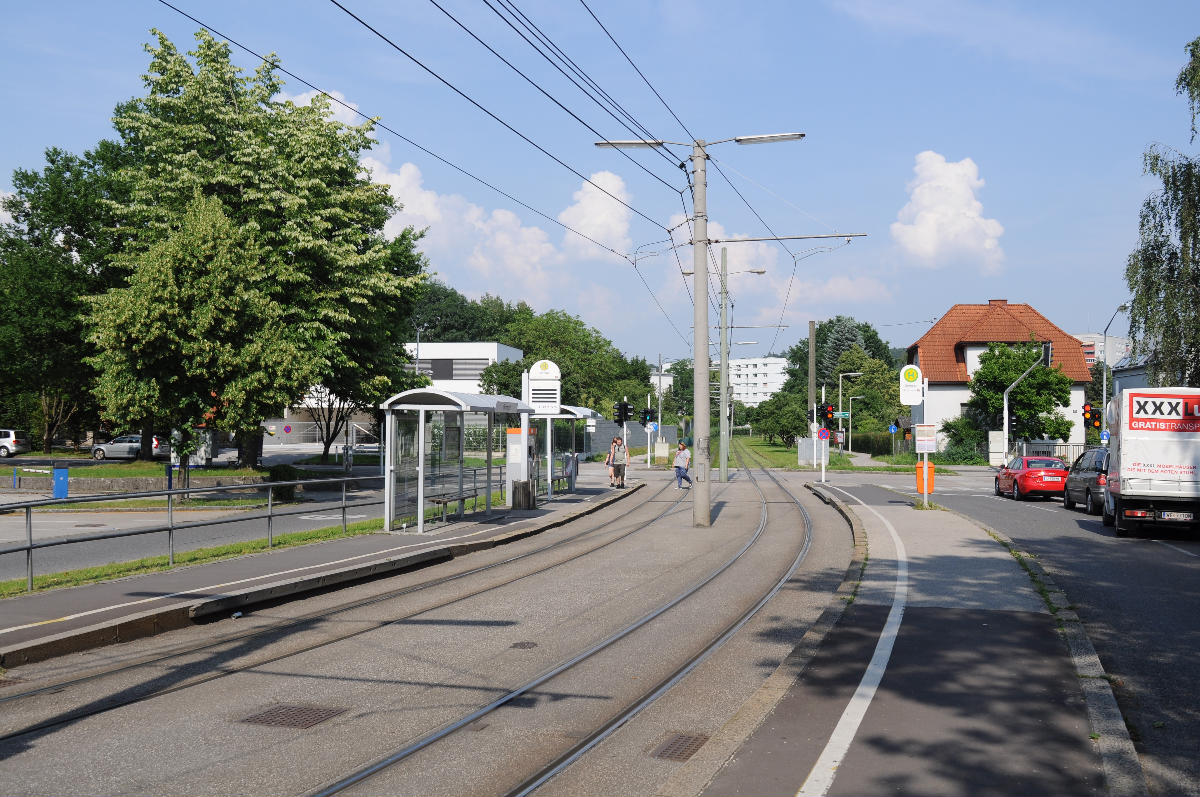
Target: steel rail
{"points": [[576, 752], [452, 727]]}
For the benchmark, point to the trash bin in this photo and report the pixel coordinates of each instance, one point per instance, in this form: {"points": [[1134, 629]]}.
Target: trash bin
{"points": [[522, 495], [925, 477]]}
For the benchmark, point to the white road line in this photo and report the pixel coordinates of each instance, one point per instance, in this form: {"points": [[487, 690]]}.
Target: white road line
{"points": [[820, 779], [1177, 548], [411, 548], [331, 517]]}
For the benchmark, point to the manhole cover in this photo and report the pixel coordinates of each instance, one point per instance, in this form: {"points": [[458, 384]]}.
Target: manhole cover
{"points": [[524, 645], [288, 716], [680, 747]]}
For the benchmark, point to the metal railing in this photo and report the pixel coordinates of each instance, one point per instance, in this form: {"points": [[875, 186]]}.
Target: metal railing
{"points": [[174, 496]]}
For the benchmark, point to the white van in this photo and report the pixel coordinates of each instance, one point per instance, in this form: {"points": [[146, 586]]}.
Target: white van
{"points": [[1154, 459], [13, 441]]}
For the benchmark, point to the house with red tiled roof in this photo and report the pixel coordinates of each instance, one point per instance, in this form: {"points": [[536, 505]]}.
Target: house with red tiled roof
{"points": [[948, 354]]}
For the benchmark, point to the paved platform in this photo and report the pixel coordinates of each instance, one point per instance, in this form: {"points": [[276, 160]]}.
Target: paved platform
{"points": [[41, 625], [943, 671]]}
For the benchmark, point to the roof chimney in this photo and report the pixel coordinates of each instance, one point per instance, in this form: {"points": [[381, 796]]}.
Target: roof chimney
{"points": [[997, 301]]}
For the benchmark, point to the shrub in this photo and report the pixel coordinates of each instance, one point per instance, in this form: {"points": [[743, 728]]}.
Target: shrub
{"points": [[283, 473]]}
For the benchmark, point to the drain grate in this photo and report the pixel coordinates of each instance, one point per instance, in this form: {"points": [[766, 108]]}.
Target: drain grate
{"points": [[680, 747], [524, 645], [291, 716]]}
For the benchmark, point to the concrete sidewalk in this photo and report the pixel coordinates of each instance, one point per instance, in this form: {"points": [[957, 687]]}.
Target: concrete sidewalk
{"points": [[42, 625], [952, 666]]}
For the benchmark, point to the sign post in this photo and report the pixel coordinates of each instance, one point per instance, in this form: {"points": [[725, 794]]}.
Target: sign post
{"points": [[925, 436], [824, 435]]}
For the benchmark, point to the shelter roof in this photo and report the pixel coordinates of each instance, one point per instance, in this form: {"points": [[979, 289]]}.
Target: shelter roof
{"points": [[425, 398], [941, 351]]}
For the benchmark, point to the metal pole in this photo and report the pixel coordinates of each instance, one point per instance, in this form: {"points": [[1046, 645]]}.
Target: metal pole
{"points": [[462, 452], [487, 503], [420, 471], [659, 435], [925, 456], [170, 531], [701, 497], [270, 518], [29, 550], [723, 403], [549, 460], [343, 507]]}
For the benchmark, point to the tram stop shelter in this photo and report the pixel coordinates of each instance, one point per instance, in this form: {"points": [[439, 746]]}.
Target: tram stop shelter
{"points": [[425, 437]]}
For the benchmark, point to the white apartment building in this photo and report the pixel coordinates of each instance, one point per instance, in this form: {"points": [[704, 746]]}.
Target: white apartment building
{"points": [[457, 366], [753, 380]]}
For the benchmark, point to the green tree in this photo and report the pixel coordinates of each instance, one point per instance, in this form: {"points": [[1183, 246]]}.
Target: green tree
{"points": [[289, 177], [589, 362], [1032, 403], [54, 253], [878, 384], [1164, 271], [835, 337], [197, 338]]}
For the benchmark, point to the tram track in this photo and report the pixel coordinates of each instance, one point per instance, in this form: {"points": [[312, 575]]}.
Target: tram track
{"points": [[280, 630], [362, 777]]}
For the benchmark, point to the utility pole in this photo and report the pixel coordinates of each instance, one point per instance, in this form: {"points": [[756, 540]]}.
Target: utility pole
{"points": [[658, 435], [724, 396], [701, 422]]}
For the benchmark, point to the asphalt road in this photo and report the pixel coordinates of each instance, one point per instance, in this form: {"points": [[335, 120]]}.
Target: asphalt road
{"points": [[1139, 599]]}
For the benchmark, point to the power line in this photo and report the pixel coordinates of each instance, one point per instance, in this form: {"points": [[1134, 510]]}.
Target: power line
{"points": [[547, 94], [605, 101], [394, 132], [635, 68], [489, 113]]}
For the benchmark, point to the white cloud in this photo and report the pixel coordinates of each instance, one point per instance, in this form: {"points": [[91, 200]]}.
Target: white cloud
{"points": [[943, 221], [598, 216], [340, 112]]}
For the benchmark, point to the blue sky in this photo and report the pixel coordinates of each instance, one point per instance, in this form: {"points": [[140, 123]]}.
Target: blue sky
{"points": [[988, 150]]}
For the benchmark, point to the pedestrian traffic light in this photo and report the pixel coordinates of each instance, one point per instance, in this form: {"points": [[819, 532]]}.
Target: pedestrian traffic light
{"points": [[644, 416]]}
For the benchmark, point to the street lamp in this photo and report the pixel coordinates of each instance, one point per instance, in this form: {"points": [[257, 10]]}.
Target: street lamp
{"points": [[701, 494], [850, 442], [848, 373], [1104, 370], [421, 328]]}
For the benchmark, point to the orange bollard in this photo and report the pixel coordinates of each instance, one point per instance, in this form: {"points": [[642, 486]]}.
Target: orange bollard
{"points": [[925, 472]]}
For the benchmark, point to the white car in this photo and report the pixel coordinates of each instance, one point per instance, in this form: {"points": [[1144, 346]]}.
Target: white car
{"points": [[128, 446], [13, 441]]}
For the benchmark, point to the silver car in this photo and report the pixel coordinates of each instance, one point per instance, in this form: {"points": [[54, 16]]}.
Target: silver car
{"points": [[13, 441], [127, 446]]}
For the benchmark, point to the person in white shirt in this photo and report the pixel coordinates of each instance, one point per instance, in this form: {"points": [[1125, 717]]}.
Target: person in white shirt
{"points": [[683, 461]]}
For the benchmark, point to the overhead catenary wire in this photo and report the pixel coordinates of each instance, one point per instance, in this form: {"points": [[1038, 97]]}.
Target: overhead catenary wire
{"points": [[396, 133], [547, 94], [378, 123], [489, 113], [605, 100]]}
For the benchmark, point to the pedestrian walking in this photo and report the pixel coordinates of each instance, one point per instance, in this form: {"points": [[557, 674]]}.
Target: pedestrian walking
{"points": [[683, 461], [620, 458]]}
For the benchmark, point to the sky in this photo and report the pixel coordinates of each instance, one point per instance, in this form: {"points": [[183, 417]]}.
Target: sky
{"points": [[987, 150]]}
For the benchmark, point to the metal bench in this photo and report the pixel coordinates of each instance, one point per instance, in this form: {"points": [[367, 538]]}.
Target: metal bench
{"points": [[444, 499]]}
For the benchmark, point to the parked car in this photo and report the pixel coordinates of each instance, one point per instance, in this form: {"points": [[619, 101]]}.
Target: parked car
{"points": [[13, 441], [1027, 476], [127, 446], [1087, 481]]}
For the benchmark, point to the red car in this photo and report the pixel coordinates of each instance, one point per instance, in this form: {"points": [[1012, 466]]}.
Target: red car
{"points": [[1025, 476]]}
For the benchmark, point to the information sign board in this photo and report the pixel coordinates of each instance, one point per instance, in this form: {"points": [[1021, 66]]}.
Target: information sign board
{"points": [[925, 437], [911, 392]]}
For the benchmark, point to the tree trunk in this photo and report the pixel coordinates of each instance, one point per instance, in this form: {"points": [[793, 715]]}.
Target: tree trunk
{"points": [[147, 450]]}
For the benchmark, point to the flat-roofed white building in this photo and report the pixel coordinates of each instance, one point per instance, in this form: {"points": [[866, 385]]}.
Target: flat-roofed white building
{"points": [[457, 366], [753, 380]]}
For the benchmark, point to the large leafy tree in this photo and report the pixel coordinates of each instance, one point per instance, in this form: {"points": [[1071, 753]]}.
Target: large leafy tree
{"points": [[1164, 271], [288, 176], [1034, 403], [53, 254], [197, 337], [879, 385]]}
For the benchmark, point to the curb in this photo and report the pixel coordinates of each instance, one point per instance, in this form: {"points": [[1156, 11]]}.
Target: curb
{"points": [[698, 772], [181, 615]]}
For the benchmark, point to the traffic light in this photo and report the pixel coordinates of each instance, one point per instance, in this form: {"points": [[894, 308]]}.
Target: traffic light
{"points": [[827, 412], [1091, 417], [1012, 426], [644, 416]]}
